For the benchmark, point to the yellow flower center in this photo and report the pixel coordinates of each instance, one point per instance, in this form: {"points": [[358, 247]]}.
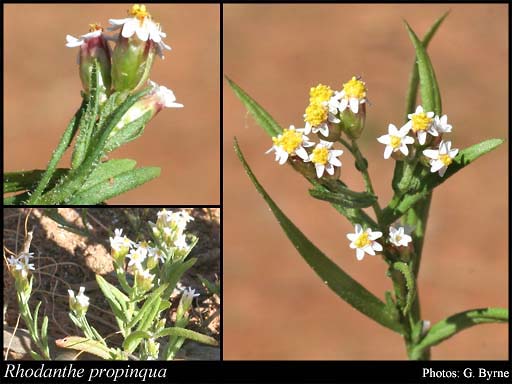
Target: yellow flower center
{"points": [[320, 155], [320, 93], [316, 114], [95, 27], [290, 140], [139, 11], [420, 122], [355, 89], [395, 141], [362, 241], [445, 159]]}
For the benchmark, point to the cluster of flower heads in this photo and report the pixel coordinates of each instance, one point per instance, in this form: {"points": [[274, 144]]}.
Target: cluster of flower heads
{"points": [[422, 124], [20, 265], [365, 241], [143, 257], [326, 115], [127, 66]]}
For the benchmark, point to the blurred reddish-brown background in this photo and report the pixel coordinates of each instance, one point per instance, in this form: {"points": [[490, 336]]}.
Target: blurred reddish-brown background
{"points": [[275, 306], [42, 92]]}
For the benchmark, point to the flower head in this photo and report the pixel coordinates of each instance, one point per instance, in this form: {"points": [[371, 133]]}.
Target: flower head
{"points": [[143, 280], [20, 266], [186, 300], [398, 237], [290, 143], [353, 94], [320, 94], [318, 116], [80, 303], [93, 46], [363, 241], [137, 256], [441, 158], [325, 158], [396, 140], [441, 124], [140, 24], [421, 123]]}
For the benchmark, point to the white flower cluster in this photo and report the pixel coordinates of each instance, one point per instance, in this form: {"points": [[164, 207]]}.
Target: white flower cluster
{"points": [[364, 241], [20, 265], [421, 124], [139, 23], [323, 112]]}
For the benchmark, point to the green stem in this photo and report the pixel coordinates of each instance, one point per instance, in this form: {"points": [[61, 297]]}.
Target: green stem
{"points": [[362, 166]]}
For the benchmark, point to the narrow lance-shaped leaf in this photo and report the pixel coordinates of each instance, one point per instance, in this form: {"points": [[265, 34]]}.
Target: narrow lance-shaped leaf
{"points": [[335, 278], [104, 171], [261, 116], [27, 180], [348, 198], [86, 345], [456, 323], [115, 186], [188, 334]]}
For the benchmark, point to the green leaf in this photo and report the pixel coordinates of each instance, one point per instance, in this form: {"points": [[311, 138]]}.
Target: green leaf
{"points": [[35, 325], [146, 308], [344, 197], [398, 207], [410, 104], [171, 273], [65, 191], [134, 339], [27, 180], [333, 276], [104, 171], [64, 143], [430, 95], [127, 133], [188, 334], [18, 199], [114, 304], [44, 335], [89, 119], [54, 214], [261, 116], [456, 323], [150, 315], [115, 186]]}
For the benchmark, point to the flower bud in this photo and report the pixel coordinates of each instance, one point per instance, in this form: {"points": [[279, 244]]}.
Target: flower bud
{"points": [[353, 123], [93, 47], [153, 102], [185, 302]]}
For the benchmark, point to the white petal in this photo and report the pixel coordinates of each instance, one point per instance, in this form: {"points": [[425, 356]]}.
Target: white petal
{"points": [[343, 104], [368, 249], [129, 29], [351, 236], [376, 246], [384, 139], [337, 152], [404, 149], [408, 140], [453, 153], [393, 130], [319, 170], [73, 42], [442, 171], [284, 157], [359, 254], [118, 22], [354, 104], [388, 151], [330, 169], [431, 153], [335, 161], [422, 136], [358, 229], [301, 152], [436, 166], [404, 130], [419, 109], [374, 235]]}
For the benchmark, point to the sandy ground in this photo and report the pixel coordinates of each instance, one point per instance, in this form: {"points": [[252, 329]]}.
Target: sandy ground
{"points": [[66, 260], [276, 307], [42, 92]]}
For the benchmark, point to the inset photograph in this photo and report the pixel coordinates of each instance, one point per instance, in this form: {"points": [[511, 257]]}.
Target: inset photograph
{"points": [[365, 182], [117, 104], [112, 284]]}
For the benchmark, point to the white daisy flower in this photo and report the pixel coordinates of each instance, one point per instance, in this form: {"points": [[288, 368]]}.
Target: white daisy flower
{"points": [[353, 94], [441, 124], [325, 158], [290, 143], [120, 242], [422, 123], [317, 117], [364, 241], [164, 96], [396, 140], [141, 25], [95, 30], [137, 256], [181, 242], [398, 237], [441, 158]]}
